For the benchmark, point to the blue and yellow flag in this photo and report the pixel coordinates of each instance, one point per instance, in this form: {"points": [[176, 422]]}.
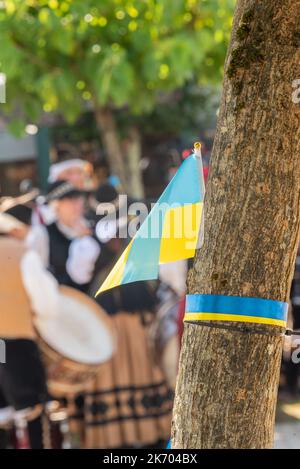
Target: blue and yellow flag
{"points": [[170, 231]]}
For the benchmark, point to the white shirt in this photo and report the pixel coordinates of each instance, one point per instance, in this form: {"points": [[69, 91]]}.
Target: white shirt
{"points": [[83, 252]]}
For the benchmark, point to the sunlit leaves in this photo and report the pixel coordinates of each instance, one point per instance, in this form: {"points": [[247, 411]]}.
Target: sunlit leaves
{"points": [[110, 52]]}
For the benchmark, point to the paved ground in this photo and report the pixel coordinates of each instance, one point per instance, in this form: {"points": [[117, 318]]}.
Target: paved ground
{"points": [[287, 429], [287, 435]]}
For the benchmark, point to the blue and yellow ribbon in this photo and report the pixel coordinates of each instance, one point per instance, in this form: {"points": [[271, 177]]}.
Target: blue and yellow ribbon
{"points": [[235, 309]]}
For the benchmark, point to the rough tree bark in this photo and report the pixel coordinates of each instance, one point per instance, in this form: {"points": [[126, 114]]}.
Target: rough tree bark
{"points": [[107, 128], [227, 384], [134, 150]]}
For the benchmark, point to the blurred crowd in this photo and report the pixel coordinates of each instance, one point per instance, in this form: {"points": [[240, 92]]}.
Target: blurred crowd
{"points": [[81, 371]]}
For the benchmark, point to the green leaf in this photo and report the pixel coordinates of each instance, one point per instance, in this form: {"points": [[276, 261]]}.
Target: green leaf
{"points": [[47, 46]]}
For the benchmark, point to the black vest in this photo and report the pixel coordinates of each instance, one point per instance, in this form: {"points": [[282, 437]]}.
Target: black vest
{"points": [[59, 246]]}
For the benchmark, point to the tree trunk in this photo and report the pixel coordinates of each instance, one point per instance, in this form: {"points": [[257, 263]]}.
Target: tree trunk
{"points": [[134, 151], [107, 128], [228, 379]]}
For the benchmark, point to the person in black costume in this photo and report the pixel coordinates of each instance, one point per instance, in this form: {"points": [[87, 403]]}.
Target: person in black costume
{"points": [[66, 246]]}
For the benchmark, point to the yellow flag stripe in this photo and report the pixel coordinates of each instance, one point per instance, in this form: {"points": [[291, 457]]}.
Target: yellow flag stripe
{"points": [[115, 277], [232, 318], [180, 232]]}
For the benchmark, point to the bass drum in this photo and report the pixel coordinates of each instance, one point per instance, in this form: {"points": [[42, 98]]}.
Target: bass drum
{"points": [[75, 343]]}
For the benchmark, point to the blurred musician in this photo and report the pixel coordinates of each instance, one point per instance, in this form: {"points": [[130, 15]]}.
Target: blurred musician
{"points": [[23, 387], [66, 245]]}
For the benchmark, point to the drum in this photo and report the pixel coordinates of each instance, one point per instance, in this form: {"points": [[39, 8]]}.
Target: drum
{"points": [[74, 343]]}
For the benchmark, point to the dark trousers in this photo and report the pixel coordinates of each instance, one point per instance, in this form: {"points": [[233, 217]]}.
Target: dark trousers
{"points": [[23, 381]]}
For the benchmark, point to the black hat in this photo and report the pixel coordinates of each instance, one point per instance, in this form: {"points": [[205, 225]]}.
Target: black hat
{"points": [[21, 212], [106, 193], [15, 217], [19, 208], [28, 200], [105, 197], [59, 190]]}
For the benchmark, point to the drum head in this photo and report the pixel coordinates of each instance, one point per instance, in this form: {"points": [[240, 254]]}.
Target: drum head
{"points": [[81, 331]]}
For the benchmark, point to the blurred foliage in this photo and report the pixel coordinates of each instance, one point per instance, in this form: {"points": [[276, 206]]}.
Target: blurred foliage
{"points": [[72, 55], [191, 109], [186, 115]]}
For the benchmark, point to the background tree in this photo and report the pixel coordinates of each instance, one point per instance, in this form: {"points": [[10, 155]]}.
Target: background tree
{"points": [[166, 131], [228, 379], [68, 55]]}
